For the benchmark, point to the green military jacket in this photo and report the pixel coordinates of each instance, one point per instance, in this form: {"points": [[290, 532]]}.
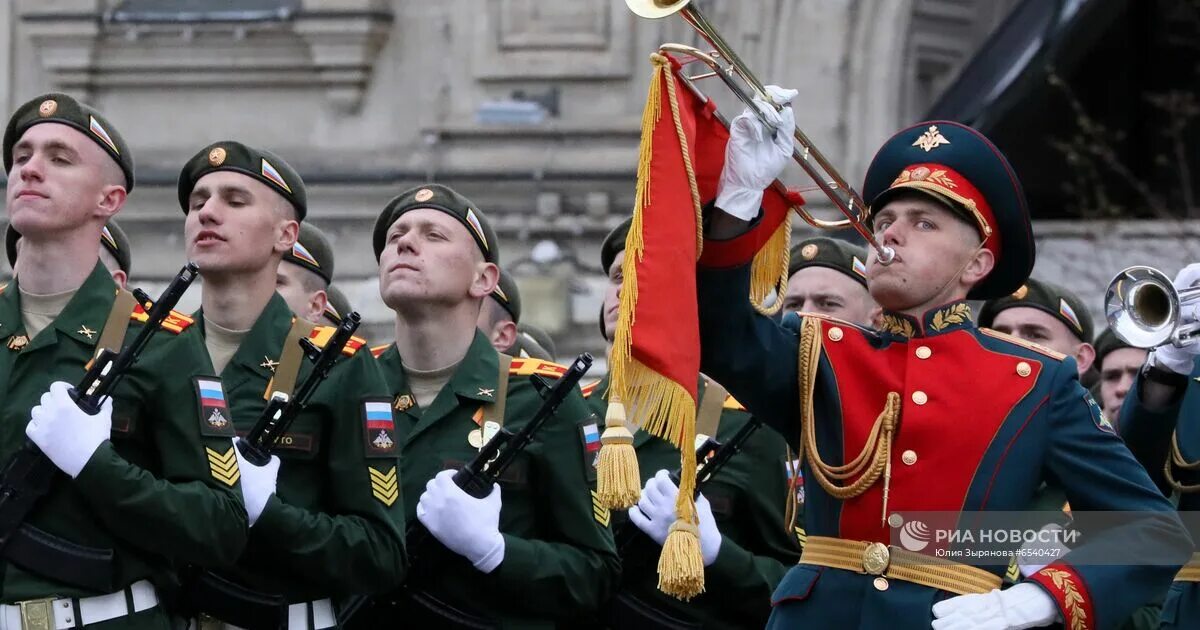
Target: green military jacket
{"points": [[749, 499], [148, 493], [559, 559], [334, 527]]}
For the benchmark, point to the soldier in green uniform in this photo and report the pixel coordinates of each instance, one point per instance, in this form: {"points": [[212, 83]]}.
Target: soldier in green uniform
{"points": [[116, 253], [337, 306], [537, 551], [498, 316], [829, 276], [1050, 316], [326, 520], [1118, 364], [500, 321], [136, 496], [304, 276], [746, 537]]}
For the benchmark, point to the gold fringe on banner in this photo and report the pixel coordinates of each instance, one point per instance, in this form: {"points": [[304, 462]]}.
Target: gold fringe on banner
{"points": [[656, 403], [769, 271]]}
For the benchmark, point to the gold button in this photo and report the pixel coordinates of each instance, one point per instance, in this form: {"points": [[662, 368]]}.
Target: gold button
{"points": [[881, 584], [909, 457], [1023, 369], [919, 397], [835, 334], [924, 352]]}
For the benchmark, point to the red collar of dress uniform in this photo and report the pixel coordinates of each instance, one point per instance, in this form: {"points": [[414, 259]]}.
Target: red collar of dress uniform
{"points": [[936, 321]]}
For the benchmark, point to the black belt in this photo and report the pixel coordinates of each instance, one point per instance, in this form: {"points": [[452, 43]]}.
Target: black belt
{"points": [[419, 609], [234, 604], [627, 611], [61, 560]]}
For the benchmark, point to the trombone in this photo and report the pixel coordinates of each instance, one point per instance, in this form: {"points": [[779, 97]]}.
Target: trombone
{"points": [[738, 77], [1145, 309]]}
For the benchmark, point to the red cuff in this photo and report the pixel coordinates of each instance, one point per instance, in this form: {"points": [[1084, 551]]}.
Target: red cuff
{"points": [[733, 252], [741, 249], [1070, 592]]}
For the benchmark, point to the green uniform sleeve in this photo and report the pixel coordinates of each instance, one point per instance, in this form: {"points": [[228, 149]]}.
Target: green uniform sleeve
{"points": [[182, 509], [570, 569], [758, 546], [355, 544]]}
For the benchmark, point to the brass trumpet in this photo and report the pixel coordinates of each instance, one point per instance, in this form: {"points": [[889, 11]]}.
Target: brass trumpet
{"points": [[1145, 309], [746, 86]]}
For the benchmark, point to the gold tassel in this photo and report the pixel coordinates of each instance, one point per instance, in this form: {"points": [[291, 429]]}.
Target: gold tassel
{"points": [[769, 271], [618, 483], [681, 565]]}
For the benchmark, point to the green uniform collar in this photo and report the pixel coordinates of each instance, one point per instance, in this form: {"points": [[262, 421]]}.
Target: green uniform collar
{"points": [[82, 319], [475, 379], [263, 344]]}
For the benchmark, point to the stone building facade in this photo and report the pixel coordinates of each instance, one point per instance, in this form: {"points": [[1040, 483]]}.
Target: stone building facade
{"points": [[529, 107]]}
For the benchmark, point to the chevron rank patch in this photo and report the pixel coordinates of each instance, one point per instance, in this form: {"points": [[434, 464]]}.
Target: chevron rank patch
{"points": [[215, 419], [223, 466], [385, 486], [599, 511], [379, 429]]}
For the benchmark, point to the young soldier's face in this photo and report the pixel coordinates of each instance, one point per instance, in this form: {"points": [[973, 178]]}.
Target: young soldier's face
{"points": [[297, 289], [612, 295], [937, 258], [236, 224], [1116, 377], [59, 181], [1044, 329], [829, 292], [429, 257]]}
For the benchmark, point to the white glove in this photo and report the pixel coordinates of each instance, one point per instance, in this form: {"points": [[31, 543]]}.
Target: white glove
{"points": [[655, 512], [258, 483], [754, 157], [64, 432], [1023, 605], [468, 526], [1168, 357]]}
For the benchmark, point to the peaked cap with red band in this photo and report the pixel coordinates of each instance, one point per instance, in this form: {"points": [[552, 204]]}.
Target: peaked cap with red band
{"points": [[957, 165]]}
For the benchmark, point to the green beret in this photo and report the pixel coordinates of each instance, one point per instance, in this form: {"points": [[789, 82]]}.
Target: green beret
{"points": [[535, 341], [1107, 343], [61, 108], [439, 197], [264, 166], [112, 238], [337, 306], [614, 244], [508, 295], [833, 253], [1064, 305], [312, 252]]}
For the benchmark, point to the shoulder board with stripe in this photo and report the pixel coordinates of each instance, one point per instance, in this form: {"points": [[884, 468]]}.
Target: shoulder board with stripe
{"points": [[321, 335], [378, 350], [590, 388], [732, 403], [831, 320], [529, 367], [1040, 349], [175, 322], [3, 287]]}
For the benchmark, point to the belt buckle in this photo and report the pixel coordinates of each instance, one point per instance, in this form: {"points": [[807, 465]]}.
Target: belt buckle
{"points": [[205, 621], [37, 614], [876, 558]]}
